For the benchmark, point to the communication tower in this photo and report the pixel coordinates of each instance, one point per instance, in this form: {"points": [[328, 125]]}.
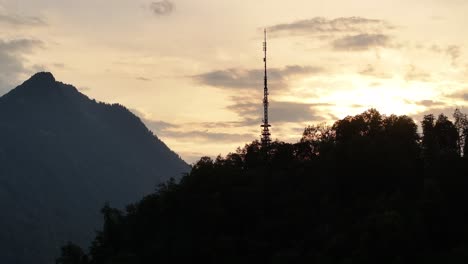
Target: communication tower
{"points": [[265, 126]]}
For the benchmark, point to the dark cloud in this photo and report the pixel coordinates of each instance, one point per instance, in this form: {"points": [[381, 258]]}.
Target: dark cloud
{"points": [[250, 112], [361, 42], [247, 79], [460, 95], [15, 20], [12, 60], [430, 103], [294, 112], [162, 8], [320, 25], [280, 112]]}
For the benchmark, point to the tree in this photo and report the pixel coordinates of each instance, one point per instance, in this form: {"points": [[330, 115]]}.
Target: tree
{"points": [[363, 198], [461, 124], [72, 254], [429, 142], [446, 135], [315, 140]]}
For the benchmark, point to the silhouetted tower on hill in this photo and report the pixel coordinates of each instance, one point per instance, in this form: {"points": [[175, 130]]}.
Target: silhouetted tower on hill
{"points": [[266, 126]]}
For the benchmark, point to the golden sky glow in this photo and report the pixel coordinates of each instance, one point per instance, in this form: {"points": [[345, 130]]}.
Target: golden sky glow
{"points": [[192, 69]]}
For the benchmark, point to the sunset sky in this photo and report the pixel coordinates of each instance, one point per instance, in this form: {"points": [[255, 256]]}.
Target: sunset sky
{"points": [[192, 69]]}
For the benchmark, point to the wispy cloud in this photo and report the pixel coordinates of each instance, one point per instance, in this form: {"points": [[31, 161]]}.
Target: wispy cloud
{"points": [[141, 78], [248, 79], [213, 137], [371, 70], [361, 42], [16, 20], [454, 52], [462, 95], [12, 59], [321, 25], [201, 131], [430, 103], [179, 131], [162, 8], [415, 74], [280, 111]]}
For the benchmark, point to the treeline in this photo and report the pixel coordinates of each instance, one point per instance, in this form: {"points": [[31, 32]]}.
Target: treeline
{"points": [[369, 189]]}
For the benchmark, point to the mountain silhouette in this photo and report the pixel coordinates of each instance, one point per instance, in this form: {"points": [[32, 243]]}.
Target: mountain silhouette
{"points": [[62, 157]]}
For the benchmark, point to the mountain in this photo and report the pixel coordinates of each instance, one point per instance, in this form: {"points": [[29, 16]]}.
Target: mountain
{"points": [[62, 157]]}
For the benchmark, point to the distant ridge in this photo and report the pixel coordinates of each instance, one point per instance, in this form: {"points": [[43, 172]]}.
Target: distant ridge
{"points": [[62, 156]]}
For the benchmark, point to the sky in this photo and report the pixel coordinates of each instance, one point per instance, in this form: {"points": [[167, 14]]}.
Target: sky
{"points": [[192, 70]]}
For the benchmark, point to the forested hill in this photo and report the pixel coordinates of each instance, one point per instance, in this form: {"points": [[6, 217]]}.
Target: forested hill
{"points": [[62, 157], [369, 189]]}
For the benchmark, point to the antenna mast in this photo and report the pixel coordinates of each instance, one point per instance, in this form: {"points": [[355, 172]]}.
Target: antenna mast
{"points": [[266, 126]]}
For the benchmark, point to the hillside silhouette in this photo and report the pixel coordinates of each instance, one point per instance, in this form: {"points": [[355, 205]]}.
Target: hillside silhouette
{"points": [[368, 189], [62, 157]]}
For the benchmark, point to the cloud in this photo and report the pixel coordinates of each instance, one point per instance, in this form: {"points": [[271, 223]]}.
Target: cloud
{"points": [[430, 103], [15, 20], [436, 48], [320, 25], [12, 59], [59, 65], [170, 130], [207, 136], [414, 74], [162, 8], [361, 42], [16, 45], [83, 88], [140, 78], [454, 52], [191, 157], [248, 79], [280, 112], [463, 95], [189, 131], [226, 124], [159, 127], [228, 131], [370, 70]]}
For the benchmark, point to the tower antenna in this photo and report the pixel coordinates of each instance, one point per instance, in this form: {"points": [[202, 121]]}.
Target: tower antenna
{"points": [[266, 126]]}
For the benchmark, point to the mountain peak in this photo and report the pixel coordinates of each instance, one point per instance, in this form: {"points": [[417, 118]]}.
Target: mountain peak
{"points": [[42, 78], [40, 85]]}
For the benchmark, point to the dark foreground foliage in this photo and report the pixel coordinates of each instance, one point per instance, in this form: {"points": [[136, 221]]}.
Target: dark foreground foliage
{"points": [[367, 190]]}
